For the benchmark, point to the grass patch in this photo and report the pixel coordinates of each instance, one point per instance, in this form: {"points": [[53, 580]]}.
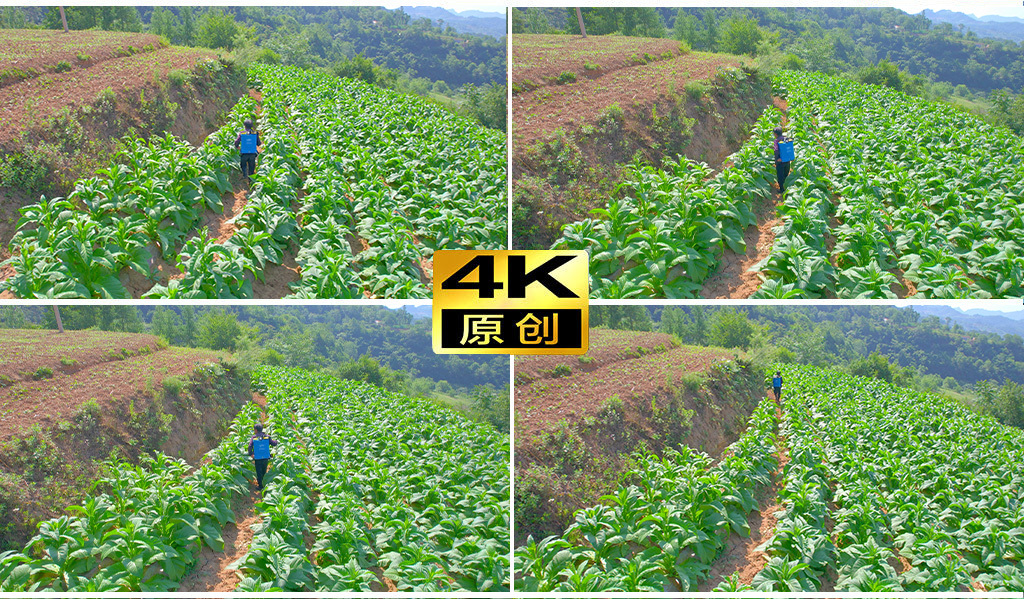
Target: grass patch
{"points": [[173, 386], [43, 372], [566, 77]]}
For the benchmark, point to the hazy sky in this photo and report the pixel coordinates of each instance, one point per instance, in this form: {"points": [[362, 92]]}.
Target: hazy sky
{"points": [[978, 9], [452, 5]]}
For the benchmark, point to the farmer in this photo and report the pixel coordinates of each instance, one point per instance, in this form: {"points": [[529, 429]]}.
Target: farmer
{"points": [[247, 143], [259, 449], [777, 385], [781, 168]]}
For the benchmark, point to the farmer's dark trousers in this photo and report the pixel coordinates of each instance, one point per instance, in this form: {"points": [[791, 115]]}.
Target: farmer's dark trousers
{"points": [[781, 172], [778, 392], [248, 164], [261, 470]]}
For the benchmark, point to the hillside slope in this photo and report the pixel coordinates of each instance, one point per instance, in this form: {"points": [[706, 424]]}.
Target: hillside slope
{"points": [[584, 109], [846, 484], [66, 100], [69, 401], [578, 419]]}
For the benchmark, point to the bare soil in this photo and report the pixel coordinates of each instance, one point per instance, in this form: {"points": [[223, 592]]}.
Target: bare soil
{"points": [[212, 572], [49, 401], [734, 278], [37, 51], [543, 403], [539, 113], [29, 103], [277, 277], [606, 346], [741, 554], [25, 351], [537, 60]]}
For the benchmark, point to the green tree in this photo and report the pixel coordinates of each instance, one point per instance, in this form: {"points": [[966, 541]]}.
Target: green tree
{"points": [[189, 326], [691, 329], [517, 20], [687, 29], [730, 328], [120, 318], [12, 18], [217, 29], [360, 67], [187, 31], [218, 329], [488, 105], [163, 22], [1008, 404], [884, 73], [536, 22], [741, 36], [492, 405], [629, 21], [164, 323], [368, 370]]}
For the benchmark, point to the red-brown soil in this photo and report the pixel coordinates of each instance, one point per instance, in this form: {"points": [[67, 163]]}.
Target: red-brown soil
{"points": [[741, 554], [211, 573], [37, 51], [276, 278], [536, 60], [49, 401], [31, 102], [221, 224], [734, 279], [543, 403], [537, 114], [606, 346], [25, 351]]}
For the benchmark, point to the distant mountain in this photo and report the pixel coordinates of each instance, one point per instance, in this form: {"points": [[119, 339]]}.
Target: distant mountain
{"points": [[480, 14], [1010, 315], [468, 21], [999, 19], [419, 311], [988, 321], [1007, 28]]}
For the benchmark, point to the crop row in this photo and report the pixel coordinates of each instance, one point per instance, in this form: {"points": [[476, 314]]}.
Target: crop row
{"points": [[361, 183], [145, 534], [668, 232], [665, 532], [923, 494], [919, 186], [397, 486]]}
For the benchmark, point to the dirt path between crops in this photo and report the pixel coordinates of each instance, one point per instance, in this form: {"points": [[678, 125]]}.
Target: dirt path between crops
{"points": [[741, 554], [734, 278], [213, 572], [222, 225]]}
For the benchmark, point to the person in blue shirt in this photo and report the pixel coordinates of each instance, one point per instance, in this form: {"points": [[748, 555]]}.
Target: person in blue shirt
{"points": [[777, 386], [260, 462], [248, 158], [781, 168]]}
